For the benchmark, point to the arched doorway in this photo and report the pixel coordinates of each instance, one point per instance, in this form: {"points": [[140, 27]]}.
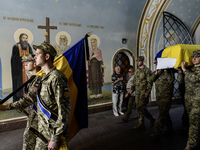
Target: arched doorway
{"points": [[123, 58]]}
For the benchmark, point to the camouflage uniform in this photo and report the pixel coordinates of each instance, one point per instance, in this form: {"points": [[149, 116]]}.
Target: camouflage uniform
{"points": [[54, 93], [192, 103], [29, 138], [164, 92], [142, 85]]}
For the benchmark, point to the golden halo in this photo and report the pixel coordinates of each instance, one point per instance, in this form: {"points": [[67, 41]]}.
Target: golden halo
{"points": [[23, 30], [96, 37], [63, 33]]}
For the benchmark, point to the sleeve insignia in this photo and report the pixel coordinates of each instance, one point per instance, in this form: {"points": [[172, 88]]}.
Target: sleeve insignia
{"points": [[34, 89], [66, 92]]}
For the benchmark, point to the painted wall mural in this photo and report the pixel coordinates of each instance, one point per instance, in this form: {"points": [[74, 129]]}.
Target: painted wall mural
{"points": [[63, 23]]}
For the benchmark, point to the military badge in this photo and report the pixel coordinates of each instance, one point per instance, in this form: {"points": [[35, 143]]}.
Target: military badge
{"points": [[66, 92], [34, 89]]}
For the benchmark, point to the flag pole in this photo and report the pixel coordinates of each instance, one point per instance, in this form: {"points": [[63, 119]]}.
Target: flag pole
{"points": [[86, 44]]}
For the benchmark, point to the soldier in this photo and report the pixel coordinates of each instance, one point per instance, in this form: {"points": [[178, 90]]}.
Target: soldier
{"points": [[29, 139], [53, 101], [192, 99], [141, 85], [54, 96], [164, 91]]}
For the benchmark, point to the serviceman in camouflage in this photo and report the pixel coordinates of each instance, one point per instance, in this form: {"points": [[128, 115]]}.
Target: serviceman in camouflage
{"points": [[53, 101], [29, 138], [192, 99], [141, 85], [163, 79], [54, 94]]}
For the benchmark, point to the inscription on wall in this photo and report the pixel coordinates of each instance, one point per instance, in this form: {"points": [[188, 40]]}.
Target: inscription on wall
{"points": [[60, 23], [18, 19]]}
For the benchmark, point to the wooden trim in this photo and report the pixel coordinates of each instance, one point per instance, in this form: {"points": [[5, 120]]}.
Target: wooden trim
{"points": [[12, 124]]}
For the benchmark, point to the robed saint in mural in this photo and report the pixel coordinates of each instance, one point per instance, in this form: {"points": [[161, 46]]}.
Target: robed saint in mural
{"points": [[18, 72], [95, 68], [63, 39]]}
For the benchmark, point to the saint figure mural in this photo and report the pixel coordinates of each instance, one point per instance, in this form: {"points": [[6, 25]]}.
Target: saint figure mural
{"points": [[95, 68], [18, 72], [63, 40]]}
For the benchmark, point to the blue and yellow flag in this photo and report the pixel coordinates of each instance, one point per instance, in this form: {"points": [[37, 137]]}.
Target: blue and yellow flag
{"points": [[181, 52], [72, 64]]}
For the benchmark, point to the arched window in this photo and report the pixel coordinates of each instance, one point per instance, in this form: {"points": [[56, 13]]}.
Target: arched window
{"points": [[122, 60], [175, 32]]}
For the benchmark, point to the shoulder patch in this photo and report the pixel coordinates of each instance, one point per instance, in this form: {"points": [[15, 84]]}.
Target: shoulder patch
{"points": [[66, 92]]}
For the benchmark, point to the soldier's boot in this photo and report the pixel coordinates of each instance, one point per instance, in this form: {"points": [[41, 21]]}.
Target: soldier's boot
{"points": [[152, 122], [140, 126]]}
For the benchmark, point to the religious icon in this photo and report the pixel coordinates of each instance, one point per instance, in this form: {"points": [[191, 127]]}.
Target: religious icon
{"points": [[63, 39], [95, 68], [23, 37]]}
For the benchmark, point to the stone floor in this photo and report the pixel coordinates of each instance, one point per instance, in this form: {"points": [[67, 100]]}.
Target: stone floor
{"points": [[107, 132]]}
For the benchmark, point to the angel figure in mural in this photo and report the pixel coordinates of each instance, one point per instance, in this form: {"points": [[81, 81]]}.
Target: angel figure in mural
{"points": [[95, 68], [63, 39], [20, 49]]}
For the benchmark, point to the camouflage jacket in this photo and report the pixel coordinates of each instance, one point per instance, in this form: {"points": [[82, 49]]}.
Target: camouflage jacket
{"points": [[31, 87], [163, 83], [191, 77], [54, 93], [141, 80]]}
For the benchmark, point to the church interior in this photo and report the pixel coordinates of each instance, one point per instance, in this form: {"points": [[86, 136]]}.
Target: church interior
{"points": [[120, 31]]}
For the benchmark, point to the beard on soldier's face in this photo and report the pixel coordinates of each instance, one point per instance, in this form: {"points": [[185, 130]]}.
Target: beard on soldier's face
{"points": [[24, 44]]}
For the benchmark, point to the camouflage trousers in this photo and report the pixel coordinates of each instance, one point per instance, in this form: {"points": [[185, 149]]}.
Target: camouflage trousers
{"points": [[131, 105], [164, 105], [192, 105], [141, 103], [29, 138]]}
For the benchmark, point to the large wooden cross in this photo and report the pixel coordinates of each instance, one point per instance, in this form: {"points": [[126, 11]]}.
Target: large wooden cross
{"points": [[47, 27]]}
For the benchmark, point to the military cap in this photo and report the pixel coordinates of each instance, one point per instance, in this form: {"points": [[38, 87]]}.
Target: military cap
{"points": [[27, 58], [140, 58], [46, 47], [196, 53]]}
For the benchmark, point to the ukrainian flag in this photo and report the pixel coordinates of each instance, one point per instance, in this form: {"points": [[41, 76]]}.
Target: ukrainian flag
{"points": [[181, 52], [72, 64]]}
